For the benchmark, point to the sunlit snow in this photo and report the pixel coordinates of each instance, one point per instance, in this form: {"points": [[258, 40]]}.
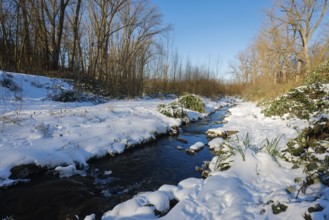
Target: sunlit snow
{"points": [[64, 136]]}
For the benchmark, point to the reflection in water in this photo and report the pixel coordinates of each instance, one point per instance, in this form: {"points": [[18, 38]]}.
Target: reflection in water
{"points": [[111, 180]]}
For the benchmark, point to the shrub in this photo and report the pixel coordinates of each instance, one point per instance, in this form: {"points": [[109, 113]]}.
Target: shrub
{"points": [[10, 84], [66, 96], [173, 110], [176, 109], [192, 102], [309, 150], [76, 96], [299, 102], [320, 74]]}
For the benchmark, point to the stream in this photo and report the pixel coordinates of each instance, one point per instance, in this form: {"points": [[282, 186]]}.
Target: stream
{"points": [[111, 180]]}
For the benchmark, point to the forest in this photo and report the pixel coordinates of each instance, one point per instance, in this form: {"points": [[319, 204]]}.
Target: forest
{"points": [[290, 49], [102, 117], [116, 47], [121, 48]]}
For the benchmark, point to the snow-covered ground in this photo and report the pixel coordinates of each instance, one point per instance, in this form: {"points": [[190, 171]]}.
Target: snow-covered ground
{"points": [[252, 188], [36, 130]]}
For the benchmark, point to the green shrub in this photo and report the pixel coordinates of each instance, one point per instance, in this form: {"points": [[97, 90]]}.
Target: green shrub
{"points": [[308, 150], [192, 102], [320, 74], [176, 109], [299, 102]]}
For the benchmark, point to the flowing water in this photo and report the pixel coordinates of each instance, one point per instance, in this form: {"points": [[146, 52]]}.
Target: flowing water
{"points": [[111, 180]]}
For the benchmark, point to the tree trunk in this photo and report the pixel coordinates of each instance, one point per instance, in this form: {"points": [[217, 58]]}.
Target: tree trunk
{"points": [[59, 33], [75, 35], [26, 36]]}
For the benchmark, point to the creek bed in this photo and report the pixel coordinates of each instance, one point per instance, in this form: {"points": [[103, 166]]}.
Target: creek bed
{"points": [[111, 180]]}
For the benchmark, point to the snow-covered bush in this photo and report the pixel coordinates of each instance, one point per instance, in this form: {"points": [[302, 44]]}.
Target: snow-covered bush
{"points": [[8, 82], [299, 102], [76, 96], [192, 102], [309, 150], [66, 96], [177, 108], [173, 110]]}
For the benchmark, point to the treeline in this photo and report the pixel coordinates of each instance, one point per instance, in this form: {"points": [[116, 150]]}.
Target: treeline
{"points": [[112, 46], [292, 42]]}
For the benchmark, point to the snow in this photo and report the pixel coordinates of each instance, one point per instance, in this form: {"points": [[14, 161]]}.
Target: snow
{"points": [[194, 116], [216, 132], [37, 130], [142, 206], [64, 136], [241, 192], [215, 143], [214, 163], [325, 204], [90, 217], [250, 187], [68, 171], [197, 146], [107, 172], [247, 118]]}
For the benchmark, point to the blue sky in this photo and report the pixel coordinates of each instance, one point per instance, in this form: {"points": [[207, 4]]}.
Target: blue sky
{"points": [[206, 30]]}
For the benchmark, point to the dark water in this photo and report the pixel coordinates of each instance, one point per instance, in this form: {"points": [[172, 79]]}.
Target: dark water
{"points": [[111, 180]]}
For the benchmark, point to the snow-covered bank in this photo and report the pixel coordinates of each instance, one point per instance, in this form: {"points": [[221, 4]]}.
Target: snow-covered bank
{"points": [[258, 184], [36, 130], [247, 179], [248, 120]]}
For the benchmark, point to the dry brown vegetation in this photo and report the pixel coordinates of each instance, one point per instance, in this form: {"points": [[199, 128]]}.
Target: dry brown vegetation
{"points": [[113, 47], [288, 50], [121, 48], [265, 90]]}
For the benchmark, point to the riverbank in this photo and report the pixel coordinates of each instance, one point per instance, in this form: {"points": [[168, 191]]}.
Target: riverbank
{"points": [[247, 178], [110, 180], [63, 136], [257, 182]]}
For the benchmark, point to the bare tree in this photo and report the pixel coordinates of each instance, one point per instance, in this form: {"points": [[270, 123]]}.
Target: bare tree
{"points": [[75, 23], [304, 17], [115, 45], [286, 46]]}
